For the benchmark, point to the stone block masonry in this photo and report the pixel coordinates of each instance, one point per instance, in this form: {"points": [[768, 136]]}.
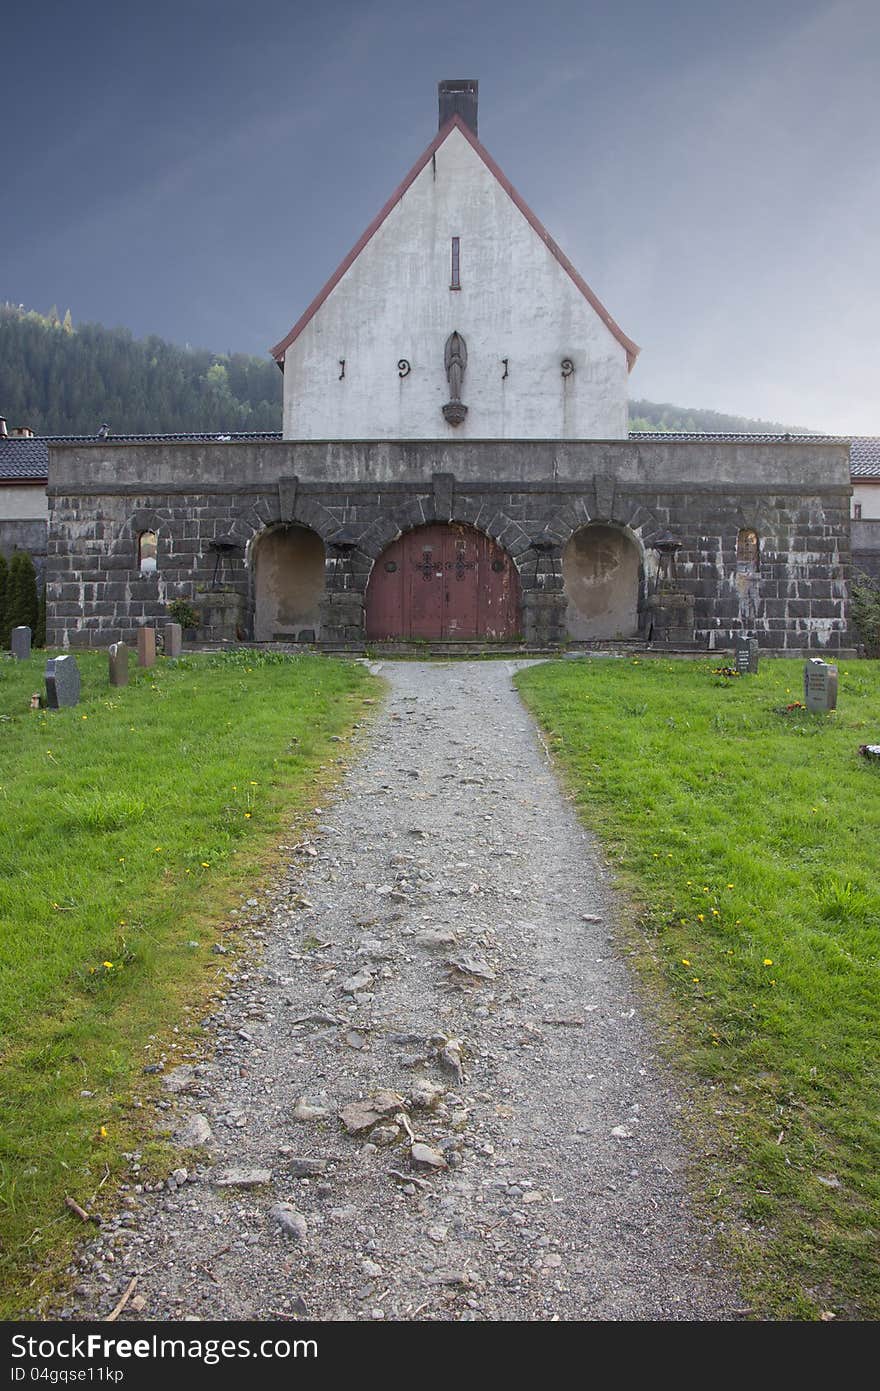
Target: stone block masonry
{"points": [[530, 496]]}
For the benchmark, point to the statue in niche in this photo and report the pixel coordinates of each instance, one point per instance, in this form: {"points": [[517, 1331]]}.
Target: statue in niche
{"points": [[455, 359]]}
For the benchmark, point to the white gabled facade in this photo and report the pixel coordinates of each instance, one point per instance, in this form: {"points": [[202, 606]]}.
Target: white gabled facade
{"points": [[544, 359]]}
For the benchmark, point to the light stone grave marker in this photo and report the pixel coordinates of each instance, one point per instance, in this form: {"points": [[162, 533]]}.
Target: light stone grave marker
{"points": [[118, 663], [20, 643], [62, 682], [173, 639], [146, 647], [747, 656], [820, 685]]}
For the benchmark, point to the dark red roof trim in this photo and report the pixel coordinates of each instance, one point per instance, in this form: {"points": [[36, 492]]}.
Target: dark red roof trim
{"points": [[456, 123]]}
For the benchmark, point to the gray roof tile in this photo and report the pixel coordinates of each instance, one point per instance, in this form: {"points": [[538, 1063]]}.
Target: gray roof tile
{"points": [[27, 460]]}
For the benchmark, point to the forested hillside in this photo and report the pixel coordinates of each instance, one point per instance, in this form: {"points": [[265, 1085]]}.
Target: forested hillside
{"points": [[66, 380], [648, 415], [62, 379]]}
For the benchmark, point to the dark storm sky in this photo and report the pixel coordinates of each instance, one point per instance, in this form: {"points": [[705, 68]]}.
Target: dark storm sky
{"points": [[198, 169]]}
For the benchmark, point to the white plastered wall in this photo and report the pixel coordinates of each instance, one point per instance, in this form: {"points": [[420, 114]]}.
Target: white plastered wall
{"points": [[23, 503], [867, 495], [516, 302]]}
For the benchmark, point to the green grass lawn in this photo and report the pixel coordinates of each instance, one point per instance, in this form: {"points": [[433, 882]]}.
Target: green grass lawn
{"points": [[129, 825], [748, 839]]}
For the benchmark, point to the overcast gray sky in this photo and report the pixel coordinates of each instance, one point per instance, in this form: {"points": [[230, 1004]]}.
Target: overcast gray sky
{"points": [[197, 169]]}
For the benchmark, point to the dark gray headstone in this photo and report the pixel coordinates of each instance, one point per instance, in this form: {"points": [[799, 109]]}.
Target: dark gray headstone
{"points": [[20, 643], [146, 647], [820, 685], [173, 639], [118, 655], [747, 655], [62, 682]]}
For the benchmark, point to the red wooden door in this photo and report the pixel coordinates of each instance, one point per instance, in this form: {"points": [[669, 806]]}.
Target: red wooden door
{"points": [[443, 582]]}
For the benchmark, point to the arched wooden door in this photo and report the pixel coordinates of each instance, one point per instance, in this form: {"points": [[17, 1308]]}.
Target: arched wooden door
{"points": [[443, 582]]}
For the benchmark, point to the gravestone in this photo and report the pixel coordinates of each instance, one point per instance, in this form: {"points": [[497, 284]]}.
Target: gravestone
{"points": [[747, 656], [118, 655], [173, 639], [820, 685], [146, 647], [21, 643], [62, 682]]}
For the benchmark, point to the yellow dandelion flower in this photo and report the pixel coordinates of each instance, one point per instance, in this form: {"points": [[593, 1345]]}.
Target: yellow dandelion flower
{"points": [[108, 965], [206, 864], [684, 961], [696, 980], [715, 913], [247, 816], [701, 917], [768, 961], [103, 1132], [730, 886]]}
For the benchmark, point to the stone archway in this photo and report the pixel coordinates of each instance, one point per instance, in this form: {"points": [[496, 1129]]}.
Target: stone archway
{"points": [[440, 582], [288, 584], [600, 570]]}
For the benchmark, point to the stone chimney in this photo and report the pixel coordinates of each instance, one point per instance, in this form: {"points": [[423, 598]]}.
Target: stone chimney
{"points": [[22, 432], [3, 430], [458, 97]]}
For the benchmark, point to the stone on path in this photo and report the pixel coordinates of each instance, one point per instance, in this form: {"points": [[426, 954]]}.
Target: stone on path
{"points": [[241, 1178]]}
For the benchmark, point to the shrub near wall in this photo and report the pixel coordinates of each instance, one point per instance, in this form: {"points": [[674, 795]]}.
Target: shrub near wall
{"points": [[22, 601], [4, 589], [865, 613]]}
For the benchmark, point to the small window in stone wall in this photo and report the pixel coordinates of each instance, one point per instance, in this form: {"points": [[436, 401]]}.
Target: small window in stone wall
{"points": [[748, 552], [147, 543]]}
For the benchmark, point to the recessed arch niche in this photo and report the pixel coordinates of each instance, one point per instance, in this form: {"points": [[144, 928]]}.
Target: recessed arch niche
{"points": [[600, 569], [288, 584]]}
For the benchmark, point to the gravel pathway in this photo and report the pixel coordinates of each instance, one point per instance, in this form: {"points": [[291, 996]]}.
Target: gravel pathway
{"points": [[439, 949]]}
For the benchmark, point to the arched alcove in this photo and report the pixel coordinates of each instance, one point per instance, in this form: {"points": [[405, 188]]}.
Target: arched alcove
{"points": [[147, 552], [288, 584], [600, 569]]}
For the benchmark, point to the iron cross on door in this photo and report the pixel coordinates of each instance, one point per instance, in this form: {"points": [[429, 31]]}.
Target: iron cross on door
{"points": [[426, 591]]}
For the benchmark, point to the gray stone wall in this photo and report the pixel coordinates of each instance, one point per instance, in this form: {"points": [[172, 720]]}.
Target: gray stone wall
{"points": [[529, 496], [866, 548], [23, 534]]}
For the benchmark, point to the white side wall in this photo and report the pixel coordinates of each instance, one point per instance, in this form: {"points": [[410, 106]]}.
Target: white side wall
{"points": [[868, 494], [23, 503], [515, 302]]}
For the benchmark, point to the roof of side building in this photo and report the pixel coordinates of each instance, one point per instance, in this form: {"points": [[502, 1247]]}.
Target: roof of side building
{"points": [[24, 460]]}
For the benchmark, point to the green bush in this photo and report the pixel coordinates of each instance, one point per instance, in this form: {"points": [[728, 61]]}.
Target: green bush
{"points": [[4, 604], [865, 613], [22, 603], [183, 613]]}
